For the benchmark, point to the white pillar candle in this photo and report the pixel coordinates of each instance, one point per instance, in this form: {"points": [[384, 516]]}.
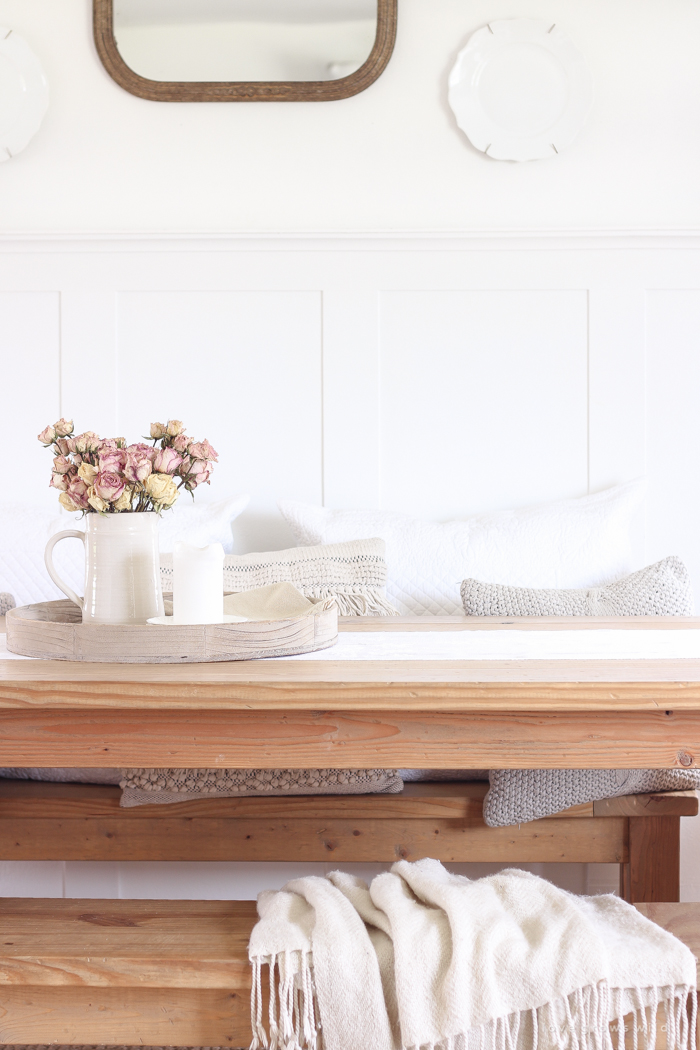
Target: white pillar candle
{"points": [[198, 583]]}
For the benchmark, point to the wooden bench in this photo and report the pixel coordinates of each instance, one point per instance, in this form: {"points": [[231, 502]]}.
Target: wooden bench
{"points": [[641, 833], [153, 973]]}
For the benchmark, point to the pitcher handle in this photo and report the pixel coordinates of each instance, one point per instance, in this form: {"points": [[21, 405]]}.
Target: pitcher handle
{"points": [[48, 559]]}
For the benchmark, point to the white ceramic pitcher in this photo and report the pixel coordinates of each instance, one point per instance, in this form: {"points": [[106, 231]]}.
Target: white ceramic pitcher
{"points": [[122, 568]]}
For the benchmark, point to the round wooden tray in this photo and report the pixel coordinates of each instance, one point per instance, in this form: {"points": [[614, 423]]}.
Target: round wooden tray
{"points": [[55, 631]]}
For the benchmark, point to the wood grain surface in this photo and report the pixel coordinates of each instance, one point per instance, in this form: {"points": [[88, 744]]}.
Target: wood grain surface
{"points": [[151, 972], [517, 623], [348, 740], [45, 821], [429, 714], [267, 685]]}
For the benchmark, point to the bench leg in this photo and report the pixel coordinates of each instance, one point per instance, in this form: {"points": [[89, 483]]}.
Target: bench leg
{"points": [[653, 871]]}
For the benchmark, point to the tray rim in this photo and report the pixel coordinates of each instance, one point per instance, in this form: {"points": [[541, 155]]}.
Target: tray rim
{"points": [[206, 641]]}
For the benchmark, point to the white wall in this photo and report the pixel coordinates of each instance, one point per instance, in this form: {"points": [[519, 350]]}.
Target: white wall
{"points": [[440, 375], [435, 376], [390, 158]]}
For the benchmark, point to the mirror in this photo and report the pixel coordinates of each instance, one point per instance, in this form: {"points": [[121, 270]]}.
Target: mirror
{"points": [[229, 50]]}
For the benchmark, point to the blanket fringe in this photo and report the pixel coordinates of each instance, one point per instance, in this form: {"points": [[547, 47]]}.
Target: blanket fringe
{"points": [[366, 601], [294, 1022], [587, 1019]]}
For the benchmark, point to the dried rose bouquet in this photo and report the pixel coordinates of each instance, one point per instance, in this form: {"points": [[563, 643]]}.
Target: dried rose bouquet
{"points": [[107, 476]]}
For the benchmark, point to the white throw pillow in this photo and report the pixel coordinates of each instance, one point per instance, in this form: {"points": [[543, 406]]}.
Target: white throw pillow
{"points": [[571, 543], [25, 531]]}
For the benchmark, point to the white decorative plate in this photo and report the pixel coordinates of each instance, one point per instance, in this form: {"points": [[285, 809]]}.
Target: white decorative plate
{"points": [[520, 89], [24, 94]]}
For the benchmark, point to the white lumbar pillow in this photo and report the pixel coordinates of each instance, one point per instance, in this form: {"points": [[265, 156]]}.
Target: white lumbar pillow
{"points": [[25, 531], [571, 543]]}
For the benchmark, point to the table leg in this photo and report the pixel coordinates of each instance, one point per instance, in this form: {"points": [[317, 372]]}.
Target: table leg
{"points": [[652, 872]]}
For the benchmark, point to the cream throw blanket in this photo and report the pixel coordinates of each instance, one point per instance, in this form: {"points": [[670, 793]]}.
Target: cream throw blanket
{"points": [[426, 959]]}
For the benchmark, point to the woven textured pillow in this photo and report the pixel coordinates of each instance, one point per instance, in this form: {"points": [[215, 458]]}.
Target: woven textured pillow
{"points": [[353, 573], [150, 787], [7, 602], [662, 589], [518, 795]]}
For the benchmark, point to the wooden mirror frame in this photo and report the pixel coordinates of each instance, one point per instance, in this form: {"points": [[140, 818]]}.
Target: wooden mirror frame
{"points": [[250, 91]]}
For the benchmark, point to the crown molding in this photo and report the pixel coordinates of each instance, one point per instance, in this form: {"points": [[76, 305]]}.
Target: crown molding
{"points": [[341, 241]]}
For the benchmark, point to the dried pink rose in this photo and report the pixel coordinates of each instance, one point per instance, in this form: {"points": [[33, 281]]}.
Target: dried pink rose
{"points": [[198, 474], [87, 442], [203, 450], [148, 450], [63, 446], [61, 465], [181, 443], [77, 490], [138, 463], [64, 427], [47, 436], [167, 461], [175, 427], [112, 460], [108, 485], [60, 482], [158, 430]]}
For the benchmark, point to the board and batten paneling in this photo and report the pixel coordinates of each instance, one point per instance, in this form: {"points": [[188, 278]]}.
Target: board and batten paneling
{"points": [[440, 375], [673, 424], [483, 399], [244, 369], [30, 380]]}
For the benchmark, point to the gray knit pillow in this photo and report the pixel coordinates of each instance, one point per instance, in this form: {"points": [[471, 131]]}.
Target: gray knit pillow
{"points": [[519, 795], [662, 589], [7, 602]]}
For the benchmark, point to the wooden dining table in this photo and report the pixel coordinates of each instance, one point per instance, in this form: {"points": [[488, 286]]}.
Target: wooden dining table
{"points": [[121, 972], [419, 713]]}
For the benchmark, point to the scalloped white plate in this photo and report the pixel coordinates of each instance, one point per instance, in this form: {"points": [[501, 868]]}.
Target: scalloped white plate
{"points": [[24, 94], [520, 89]]}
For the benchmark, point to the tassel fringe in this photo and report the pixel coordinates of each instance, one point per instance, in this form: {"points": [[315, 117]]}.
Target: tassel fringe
{"points": [[364, 602], [587, 1019], [294, 1022]]}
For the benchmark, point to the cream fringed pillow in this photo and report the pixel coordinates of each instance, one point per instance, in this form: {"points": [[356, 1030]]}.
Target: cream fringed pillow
{"points": [[353, 573], [662, 589], [161, 786]]}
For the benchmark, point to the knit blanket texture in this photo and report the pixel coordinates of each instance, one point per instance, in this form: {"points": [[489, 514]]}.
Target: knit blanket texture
{"points": [[426, 960]]}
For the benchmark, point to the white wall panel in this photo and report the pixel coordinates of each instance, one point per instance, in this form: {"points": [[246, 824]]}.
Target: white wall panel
{"points": [[242, 369], [89, 390], [673, 427], [30, 384], [483, 399], [441, 376]]}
